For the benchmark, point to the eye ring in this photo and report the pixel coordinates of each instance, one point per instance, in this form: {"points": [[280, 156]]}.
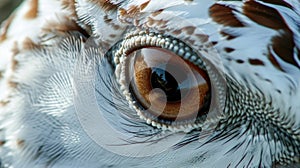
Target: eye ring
{"points": [[144, 39]]}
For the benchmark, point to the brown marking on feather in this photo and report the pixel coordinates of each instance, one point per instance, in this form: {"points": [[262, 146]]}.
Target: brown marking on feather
{"points": [[12, 84], [224, 15], [106, 5], [15, 49], [3, 103], [283, 44], [144, 5], [5, 27], [240, 61], [256, 62], [28, 44], [110, 22], [116, 27], [20, 143], [189, 41], [228, 49], [70, 5], [1, 74], [274, 61], [163, 27], [2, 142], [62, 26], [14, 64], [122, 11], [279, 2], [189, 29], [136, 22], [150, 21], [157, 12], [203, 38], [176, 32], [161, 23], [214, 43], [106, 19], [133, 10], [33, 10], [227, 35], [264, 15], [112, 36]]}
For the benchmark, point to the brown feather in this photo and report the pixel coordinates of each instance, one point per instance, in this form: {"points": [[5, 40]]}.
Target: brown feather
{"points": [[224, 15], [33, 10]]}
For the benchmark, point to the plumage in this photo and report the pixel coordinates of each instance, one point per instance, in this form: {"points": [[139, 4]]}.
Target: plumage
{"points": [[64, 99]]}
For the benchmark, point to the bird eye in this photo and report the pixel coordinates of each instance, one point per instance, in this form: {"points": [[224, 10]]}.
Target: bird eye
{"points": [[167, 87], [163, 79]]}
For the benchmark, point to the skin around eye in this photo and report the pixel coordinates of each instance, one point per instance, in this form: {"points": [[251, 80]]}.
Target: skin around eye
{"points": [[168, 87]]}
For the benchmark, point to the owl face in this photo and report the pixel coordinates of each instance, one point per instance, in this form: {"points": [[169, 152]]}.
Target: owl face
{"points": [[90, 83]]}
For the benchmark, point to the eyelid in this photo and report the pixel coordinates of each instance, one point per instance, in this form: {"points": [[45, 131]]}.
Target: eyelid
{"points": [[140, 39]]}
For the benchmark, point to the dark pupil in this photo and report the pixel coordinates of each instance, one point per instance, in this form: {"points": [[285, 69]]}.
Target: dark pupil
{"points": [[164, 80]]}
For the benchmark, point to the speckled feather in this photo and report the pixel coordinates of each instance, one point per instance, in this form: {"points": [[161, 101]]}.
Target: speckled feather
{"points": [[258, 46]]}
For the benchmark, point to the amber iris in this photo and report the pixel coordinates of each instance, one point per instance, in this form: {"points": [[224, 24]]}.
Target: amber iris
{"points": [[166, 86]]}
